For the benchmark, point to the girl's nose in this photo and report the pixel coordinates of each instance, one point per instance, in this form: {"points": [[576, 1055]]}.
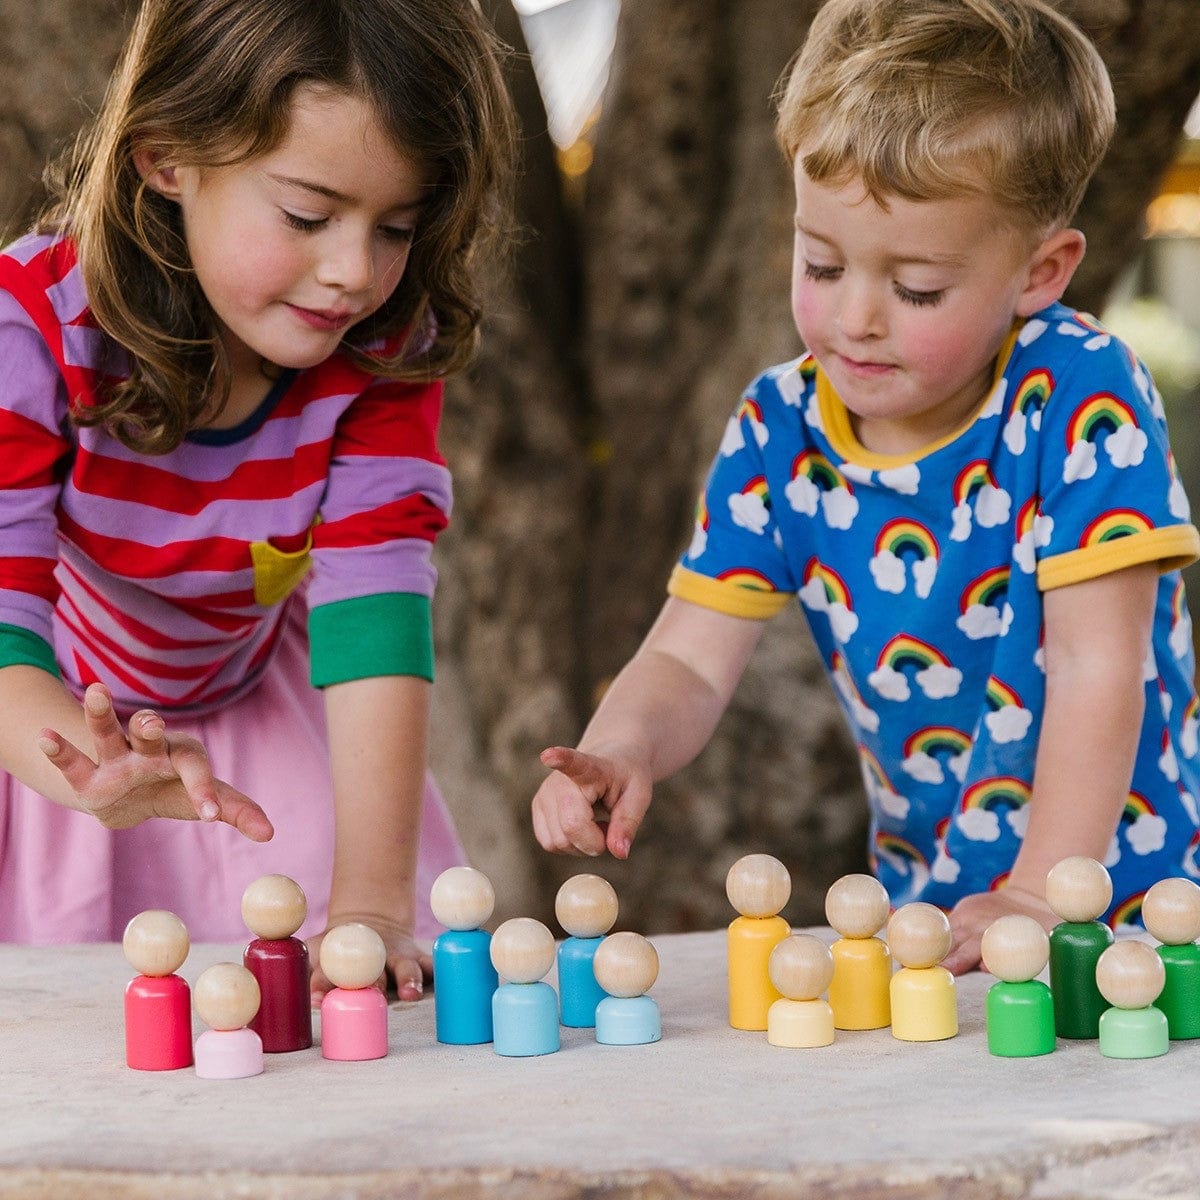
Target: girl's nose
{"points": [[346, 263]]}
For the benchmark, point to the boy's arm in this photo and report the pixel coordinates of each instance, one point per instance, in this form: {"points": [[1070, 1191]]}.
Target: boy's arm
{"points": [[657, 715], [1096, 640], [378, 730]]}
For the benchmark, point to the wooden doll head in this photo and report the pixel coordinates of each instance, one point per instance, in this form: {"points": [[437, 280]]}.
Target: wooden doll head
{"points": [[1171, 911], [1130, 975], [226, 996], [1078, 889], [1015, 948], [353, 956], [274, 907], [801, 967], [758, 885], [626, 965], [156, 943], [856, 906], [918, 935], [462, 898], [522, 950], [586, 906]]}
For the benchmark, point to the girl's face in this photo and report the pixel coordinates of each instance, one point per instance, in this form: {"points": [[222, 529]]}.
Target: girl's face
{"points": [[906, 308], [293, 247]]}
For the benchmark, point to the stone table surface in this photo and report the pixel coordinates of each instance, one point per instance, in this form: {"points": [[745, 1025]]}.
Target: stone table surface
{"points": [[707, 1112]]}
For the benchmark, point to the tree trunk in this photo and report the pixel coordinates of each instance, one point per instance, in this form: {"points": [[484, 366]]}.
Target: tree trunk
{"points": [[617, 342]]}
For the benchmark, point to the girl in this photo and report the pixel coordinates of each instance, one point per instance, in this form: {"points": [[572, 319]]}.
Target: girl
{"points": [[222, 355]]}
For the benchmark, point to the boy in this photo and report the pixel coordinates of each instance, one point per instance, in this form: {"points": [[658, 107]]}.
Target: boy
{"points": [[967, 485]]}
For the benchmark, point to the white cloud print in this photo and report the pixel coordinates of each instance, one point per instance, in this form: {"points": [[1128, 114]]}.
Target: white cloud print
{"points": [[923, 767], [1177, 500], [749, 511], [889, 573], [791, 386], [1126, 446], [842, 620], [803, 495], [890, 683], [732, 440], [1031, 541], [840, 507], [1147, 834], [866, 718], [978, 825], [1168, 764], [1180, 637], [992, 506], [1008, 724], [1018, 820], [944, 869], [939, 681], [699, 542], [1080, 463], [905, 480], [1031, 331], [1015, 427], [983, 621]]}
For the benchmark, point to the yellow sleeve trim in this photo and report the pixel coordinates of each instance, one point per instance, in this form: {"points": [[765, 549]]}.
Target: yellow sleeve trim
{"points": [[1172, 547], [731, 598]]}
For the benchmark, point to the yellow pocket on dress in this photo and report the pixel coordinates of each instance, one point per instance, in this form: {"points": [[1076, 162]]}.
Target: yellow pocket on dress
{"points": [[277, 573]]}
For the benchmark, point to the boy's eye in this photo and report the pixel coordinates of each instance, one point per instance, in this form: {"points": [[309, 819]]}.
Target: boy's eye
{"points": [[920, 299], [815, 271], [304, 224]]}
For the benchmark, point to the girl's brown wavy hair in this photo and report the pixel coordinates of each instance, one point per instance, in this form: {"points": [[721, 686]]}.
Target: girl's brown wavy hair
{"points": [[209, 82]]}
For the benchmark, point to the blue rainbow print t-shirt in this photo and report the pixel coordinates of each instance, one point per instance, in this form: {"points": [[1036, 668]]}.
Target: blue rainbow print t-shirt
{"points": [[922, 580]]}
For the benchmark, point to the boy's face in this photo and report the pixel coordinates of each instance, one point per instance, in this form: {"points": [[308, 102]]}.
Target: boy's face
{"points": [[293, 247], [905, 308]]}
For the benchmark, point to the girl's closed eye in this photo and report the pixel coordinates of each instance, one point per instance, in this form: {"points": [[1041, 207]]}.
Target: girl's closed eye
{"points": [[919, 299], [398, 233], [818, 272], [303, 224]]}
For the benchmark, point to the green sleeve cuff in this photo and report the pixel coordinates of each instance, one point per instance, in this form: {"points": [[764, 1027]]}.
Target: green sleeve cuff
{"points": [[388, 634], [19, 646]]}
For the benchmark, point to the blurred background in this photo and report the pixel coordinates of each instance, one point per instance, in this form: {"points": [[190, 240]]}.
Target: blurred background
{"points": [[649, 285]]}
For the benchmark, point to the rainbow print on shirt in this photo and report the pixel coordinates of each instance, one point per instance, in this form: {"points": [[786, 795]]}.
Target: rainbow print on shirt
{"points": [[984, 802], [927, 750], [751, 507], [1102, 420], [983, 606], [931, 670], [903, 545], [825, 591], [902, 860], [977, 498], [1026, 412], [1140, 827], [1033, 532], [880, 792], [861, 713], [817, 485], [1007, 718]]}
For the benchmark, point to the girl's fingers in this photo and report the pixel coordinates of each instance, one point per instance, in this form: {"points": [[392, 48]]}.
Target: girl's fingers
{"points": [[147, 733], [409, 977], [77, 769], [213, 800], [102, 724]]}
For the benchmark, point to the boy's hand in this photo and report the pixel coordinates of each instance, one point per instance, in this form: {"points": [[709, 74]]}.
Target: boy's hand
{"points": [[971, 916], [563, 818], [408, 966], [147, 773]]}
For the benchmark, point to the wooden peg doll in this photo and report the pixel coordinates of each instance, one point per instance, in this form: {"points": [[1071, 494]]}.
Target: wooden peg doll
{"points": [[274, 908], [158, 1005], [586, 907], [801, 968], [1020, 1010], [464, 979], [354, 1023], [227, 998], [1078, 890], [924, 999], [1130, 976], [857, 907], [1171, 911], [758, 886], [626, 966], [524, 1007]]}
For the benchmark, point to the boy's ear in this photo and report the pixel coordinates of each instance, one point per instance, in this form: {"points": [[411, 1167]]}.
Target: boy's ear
{"points": [[1050, 269], [162, 179]]}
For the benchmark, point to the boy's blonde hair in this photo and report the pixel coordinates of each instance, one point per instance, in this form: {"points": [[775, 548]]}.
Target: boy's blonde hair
{"points": [[207, 82], [927, 99]]}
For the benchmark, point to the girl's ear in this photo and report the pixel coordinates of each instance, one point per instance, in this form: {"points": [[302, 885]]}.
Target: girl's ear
{"points": [[162, 179], [1050, 269]]}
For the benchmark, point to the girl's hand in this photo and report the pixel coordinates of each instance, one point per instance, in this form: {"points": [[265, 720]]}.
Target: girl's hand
{"points": [[971, 916], [147, 773], [563, 817], [408, 966]]}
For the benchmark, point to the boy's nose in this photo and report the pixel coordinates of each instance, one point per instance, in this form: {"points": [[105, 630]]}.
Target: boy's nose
{"points": [[860, 315]]}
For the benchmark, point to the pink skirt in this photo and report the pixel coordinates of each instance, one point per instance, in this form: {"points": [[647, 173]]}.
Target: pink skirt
{"points": [[65, 878]]}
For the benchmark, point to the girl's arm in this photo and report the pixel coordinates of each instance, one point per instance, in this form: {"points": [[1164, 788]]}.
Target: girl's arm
{"points": [[378, 730], [1097, 638], [656, 717], [80, 757]]}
